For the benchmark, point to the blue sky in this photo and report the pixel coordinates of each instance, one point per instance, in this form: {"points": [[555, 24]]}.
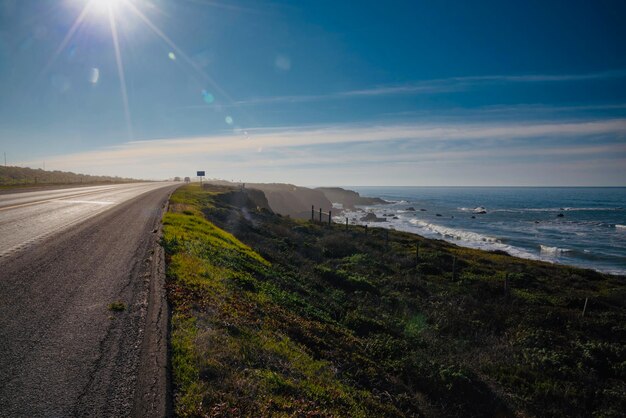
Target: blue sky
{"points": [[318, 92]]}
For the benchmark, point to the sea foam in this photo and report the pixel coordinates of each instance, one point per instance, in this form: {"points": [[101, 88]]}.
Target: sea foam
{"points": [[553, 251], [457, 234]]}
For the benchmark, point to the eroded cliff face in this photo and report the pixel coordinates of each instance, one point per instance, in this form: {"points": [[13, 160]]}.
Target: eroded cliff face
{"points": [[286, 199], [251, 199], [294, 201], [349, 198]]}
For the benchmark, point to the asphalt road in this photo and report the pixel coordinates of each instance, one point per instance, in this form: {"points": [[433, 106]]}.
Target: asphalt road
{"points": [[65, 255]]}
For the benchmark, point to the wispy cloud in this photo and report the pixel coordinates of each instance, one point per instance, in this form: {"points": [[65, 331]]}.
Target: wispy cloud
{"points": [[574, 153], [488, 139], [434, 86]]}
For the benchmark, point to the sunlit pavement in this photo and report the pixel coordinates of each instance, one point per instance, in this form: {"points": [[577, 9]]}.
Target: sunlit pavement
{"points": [[26, 218]]}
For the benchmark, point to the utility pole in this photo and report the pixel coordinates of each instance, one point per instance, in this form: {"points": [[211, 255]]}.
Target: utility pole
{"points": [[5, 159]]}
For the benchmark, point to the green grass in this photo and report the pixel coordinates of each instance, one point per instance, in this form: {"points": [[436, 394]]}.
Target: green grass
{"points": [[276, 317], [117, 306]]}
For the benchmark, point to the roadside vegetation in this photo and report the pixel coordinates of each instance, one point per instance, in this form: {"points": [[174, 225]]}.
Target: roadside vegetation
{"points": [[117, 306], [277, 317], [17, 177]]}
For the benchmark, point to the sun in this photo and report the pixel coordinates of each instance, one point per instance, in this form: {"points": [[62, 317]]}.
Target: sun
{"points": [[105, 6], [110, 11]]}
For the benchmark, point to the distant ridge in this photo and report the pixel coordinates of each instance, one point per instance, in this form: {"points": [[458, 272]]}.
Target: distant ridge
{"points": [[296, 201], [24, 176], [349, 198]]}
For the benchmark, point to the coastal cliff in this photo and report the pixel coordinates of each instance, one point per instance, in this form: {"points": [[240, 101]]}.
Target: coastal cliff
{"points": [[288, 199], [296, 201], [349, 198]]}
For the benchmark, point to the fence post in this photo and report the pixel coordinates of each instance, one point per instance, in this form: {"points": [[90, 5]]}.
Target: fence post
{"points": [[320, 215], [365, 229], [453, 267], [585, 307], [329, 217], [506, 284], [417, 254], [312, 213]]}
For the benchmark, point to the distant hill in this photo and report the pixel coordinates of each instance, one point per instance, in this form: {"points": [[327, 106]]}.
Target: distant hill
{"points": [[17, 176], [349, 198]]}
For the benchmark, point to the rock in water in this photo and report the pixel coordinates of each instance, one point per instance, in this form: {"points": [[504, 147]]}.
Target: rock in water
{"points": [[371, 217]]}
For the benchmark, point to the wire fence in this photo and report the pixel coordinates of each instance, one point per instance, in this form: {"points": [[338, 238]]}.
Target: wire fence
{"points": [[322, 216], [419, 256]]}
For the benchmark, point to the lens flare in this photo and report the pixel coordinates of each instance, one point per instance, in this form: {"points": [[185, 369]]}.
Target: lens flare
{"points": [[111, 11], [120, 73], [207, 97], [94, 75]]}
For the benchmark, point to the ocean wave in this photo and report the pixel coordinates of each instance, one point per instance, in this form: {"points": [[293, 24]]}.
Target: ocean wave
{"points": [[553, 254], [553, 251], [477, 209], [453, 233], [464, 238], [564, 209]]}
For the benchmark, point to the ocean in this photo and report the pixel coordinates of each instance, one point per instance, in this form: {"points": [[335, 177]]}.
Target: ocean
{"points": [[579, 226]]}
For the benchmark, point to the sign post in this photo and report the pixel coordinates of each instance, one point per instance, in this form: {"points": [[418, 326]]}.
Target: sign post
{"points": [[200, 174]]}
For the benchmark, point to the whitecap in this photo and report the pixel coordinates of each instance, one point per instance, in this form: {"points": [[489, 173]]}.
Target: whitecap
{"points": [[457, 234], [552, 251], [561, 209]]}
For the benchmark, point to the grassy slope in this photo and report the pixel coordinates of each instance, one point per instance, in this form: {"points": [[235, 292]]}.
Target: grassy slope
{"points": [[286, 318]]}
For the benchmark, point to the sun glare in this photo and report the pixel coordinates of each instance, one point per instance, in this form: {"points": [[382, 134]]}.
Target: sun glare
{"points": [[110, 11], [104, 6]]}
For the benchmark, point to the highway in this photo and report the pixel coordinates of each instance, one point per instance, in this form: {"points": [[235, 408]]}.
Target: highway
{"points": [[65, 255], [31, 216]]}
